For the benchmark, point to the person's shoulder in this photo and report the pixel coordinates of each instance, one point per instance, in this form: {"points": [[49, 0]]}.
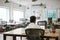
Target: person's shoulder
{"points": [[27, 26]]}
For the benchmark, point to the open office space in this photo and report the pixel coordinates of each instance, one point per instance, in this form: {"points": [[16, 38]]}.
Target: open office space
{"points": [[15, 17]]}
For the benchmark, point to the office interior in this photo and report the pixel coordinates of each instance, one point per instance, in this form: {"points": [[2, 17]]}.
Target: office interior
{"points": [[15, 15]]}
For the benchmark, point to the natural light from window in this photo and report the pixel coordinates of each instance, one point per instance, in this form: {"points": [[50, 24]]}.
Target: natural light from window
{"points": [[4, 14], [17, 15]]}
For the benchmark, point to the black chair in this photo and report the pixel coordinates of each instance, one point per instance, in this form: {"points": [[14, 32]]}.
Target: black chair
{"points": [[34, 34]]}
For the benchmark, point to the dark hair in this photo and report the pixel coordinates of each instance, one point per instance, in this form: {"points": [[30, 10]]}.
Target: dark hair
{"points": [[32, 19]]}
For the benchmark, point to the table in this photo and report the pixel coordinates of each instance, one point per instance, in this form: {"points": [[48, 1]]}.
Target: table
{"points": [[15, 34], [52, 35]]}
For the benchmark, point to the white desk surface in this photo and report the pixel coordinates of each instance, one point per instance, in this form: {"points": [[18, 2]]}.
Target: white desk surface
{"points": [[22, 31], [16, 31]]}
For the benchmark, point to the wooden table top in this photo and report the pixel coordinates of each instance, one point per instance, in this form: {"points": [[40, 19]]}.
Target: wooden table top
{"points": [[51, 34]]}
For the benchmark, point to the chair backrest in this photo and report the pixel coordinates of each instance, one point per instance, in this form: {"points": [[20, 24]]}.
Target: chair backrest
{"points": [[34, 34], [42, 23]]}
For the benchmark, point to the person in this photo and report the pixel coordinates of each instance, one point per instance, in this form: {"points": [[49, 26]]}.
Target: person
{"points": [[32, 23]]}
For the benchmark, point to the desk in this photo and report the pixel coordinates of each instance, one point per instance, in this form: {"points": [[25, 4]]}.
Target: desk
{"points": [[16, 32], [14, 36], [52, 35]]}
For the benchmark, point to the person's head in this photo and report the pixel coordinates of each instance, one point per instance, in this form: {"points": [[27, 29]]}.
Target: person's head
{"points": [[32, 19]]}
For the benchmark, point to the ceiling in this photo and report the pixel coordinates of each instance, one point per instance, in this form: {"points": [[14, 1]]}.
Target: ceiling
{"points": [[49, 3], [26, 2]]}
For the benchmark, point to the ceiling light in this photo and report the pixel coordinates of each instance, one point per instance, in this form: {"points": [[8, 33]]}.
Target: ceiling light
{"points": [[34, 0], [6, 1], [20, 5], [41, 5]]}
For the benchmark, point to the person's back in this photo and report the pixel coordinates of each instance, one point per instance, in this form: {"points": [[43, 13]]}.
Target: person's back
{"points": [[32, 23]]}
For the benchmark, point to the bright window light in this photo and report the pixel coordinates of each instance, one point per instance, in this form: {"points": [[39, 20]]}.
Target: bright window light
{"points": [[4, 14], [17, 15]]}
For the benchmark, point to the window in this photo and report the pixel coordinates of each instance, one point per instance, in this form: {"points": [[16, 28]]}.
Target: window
{"points": [[17, 15], [4, 14], [50, 14]]}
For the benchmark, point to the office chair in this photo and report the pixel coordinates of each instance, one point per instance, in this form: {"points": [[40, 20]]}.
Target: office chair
{"points": [[42, 23], [34, 34]]}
